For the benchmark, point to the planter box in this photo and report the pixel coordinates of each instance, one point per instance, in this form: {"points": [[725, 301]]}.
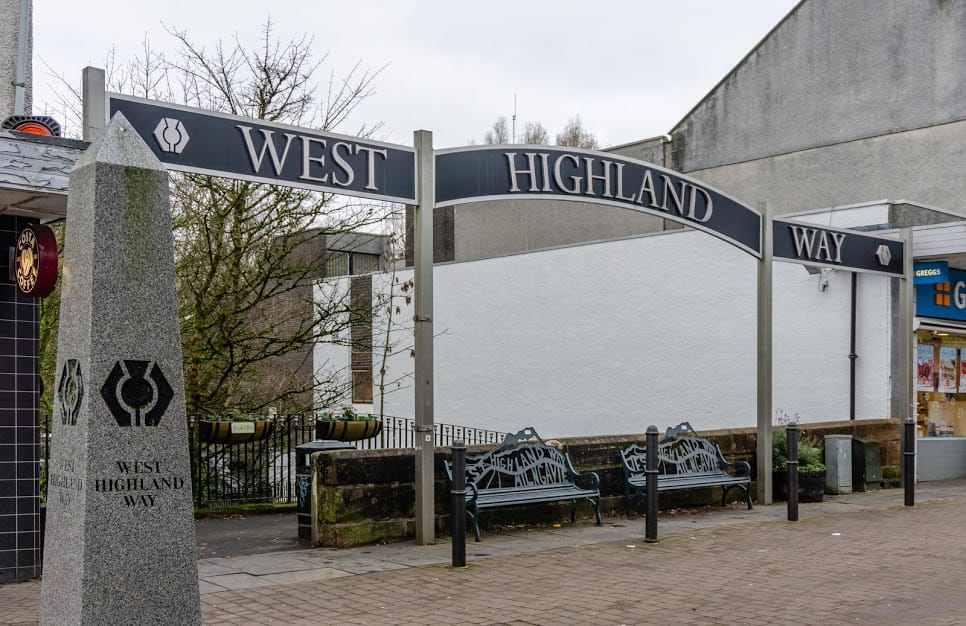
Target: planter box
{"points": [[347, 430], [229, 432], [811, 486]]}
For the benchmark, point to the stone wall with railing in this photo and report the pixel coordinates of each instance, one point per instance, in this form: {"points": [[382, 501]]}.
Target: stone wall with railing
{"points": [[367, 496]]}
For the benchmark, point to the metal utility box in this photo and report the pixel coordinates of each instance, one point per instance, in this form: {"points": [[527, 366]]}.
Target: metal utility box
{"points": [[838, 464], [866, 464]]}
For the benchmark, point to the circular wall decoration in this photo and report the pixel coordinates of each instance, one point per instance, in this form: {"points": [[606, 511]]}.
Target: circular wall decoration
{"points": [[35, 261]]}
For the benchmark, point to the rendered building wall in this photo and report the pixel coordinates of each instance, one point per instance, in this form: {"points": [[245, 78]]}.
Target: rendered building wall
{"points": [[606, 338]]}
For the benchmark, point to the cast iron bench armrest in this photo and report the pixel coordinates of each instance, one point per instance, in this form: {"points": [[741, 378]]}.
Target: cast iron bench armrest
{"points": [[742, 468], [591, 476]]}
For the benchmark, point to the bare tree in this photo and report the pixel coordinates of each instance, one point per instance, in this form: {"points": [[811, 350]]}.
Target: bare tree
{"points": [[248, 254], [574, 135], [535, 132], [498, 133], [396, 293]]}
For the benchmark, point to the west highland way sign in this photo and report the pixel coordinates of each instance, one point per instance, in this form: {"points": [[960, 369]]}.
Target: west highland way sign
{"points": [[812, 244], [506, 172], [205, 142]]}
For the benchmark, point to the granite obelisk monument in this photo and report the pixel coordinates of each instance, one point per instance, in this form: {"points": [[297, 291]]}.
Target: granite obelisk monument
{"points": [[120, 542]]}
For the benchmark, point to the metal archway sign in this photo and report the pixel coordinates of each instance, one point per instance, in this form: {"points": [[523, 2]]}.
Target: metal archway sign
{"points": [[475, 174], [196, 140]]}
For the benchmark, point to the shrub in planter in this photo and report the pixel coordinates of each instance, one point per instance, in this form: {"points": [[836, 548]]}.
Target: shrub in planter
{"points": [[234, 428], [347, 425], [811, 468]]}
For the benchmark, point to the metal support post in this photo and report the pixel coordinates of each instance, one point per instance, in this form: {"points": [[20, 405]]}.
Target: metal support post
{"points": [[909, 460], [792, 455], [95, 103], [907, 337], [763, 450], [457, 508], [906, 392], [423, 335], [650, 483]]}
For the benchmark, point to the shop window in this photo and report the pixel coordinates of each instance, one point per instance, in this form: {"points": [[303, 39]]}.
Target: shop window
{"points": [[941, 382]]}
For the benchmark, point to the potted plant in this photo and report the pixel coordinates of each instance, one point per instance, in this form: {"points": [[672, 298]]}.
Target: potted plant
{"points": [[347, 425], [234, 428], [811, 469]]}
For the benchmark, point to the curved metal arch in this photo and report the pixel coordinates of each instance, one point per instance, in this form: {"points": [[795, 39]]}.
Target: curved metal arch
{"points": [[474, 174]]}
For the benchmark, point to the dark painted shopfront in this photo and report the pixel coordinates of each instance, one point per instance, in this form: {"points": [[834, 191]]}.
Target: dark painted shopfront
{"points": [[19, 419]]}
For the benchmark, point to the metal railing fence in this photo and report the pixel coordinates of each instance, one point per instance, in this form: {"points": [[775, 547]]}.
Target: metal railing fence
{"points": [[264, 470]]}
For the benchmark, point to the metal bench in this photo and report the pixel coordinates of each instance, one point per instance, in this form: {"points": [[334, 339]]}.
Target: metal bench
{"points": [[685, 461], [523, 470]]}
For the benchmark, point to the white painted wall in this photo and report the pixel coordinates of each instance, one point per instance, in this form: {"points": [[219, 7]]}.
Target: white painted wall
{"points": [[608, 338]]}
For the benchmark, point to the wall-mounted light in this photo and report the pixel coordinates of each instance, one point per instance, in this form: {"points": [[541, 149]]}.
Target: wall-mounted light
{"points": [[34, 124], [823, 278]]}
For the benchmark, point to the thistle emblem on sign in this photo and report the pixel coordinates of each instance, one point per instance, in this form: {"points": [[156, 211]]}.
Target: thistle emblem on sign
{"points": [[137, 393], [70, 391]]}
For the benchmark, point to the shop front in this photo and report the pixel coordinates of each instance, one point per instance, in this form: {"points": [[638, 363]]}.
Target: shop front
{"points": [[941, 370]]}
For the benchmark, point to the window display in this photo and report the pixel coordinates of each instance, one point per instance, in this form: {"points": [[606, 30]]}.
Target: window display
{"points": [[941, 384]]}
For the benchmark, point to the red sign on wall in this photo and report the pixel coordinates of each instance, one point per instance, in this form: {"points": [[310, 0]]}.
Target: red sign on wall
{"points": [[35, 261]]}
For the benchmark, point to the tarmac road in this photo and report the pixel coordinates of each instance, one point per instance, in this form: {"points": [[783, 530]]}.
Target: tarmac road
{"points": [[241, 534]]}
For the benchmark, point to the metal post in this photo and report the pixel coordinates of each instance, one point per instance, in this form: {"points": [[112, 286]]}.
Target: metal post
{"points": [[457, 508], [907, 336], [650, 483], [95, 103], [423, 339], [763, 451], [909, 460], [792, 455], [853, 323]]}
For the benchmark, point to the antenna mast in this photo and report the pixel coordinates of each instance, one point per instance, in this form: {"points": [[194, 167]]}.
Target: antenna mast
{"points": [[514, 124]]}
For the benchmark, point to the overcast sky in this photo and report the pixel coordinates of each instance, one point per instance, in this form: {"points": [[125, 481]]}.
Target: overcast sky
{"points": [[631, 69]]}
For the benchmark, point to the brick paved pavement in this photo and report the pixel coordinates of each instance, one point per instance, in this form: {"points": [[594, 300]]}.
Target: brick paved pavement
{"points": [[862, 559]]}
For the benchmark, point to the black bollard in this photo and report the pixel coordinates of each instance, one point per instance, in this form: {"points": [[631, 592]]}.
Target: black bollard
{"points": [[792, 455], [650, 484], [909, 460], [458, 504]]}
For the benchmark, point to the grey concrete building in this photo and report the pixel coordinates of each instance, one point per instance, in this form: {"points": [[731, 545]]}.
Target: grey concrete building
{"points": [[841, 103], [323, 254]]}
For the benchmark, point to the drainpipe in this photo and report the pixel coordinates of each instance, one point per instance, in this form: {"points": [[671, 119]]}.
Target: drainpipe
{"points": [[20, 84], [852, 355]]}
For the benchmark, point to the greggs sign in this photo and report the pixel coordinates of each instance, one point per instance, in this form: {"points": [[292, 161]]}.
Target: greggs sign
{"points": [[945, 300]]}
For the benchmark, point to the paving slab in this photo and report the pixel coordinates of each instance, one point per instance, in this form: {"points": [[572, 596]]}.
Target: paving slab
{"points": [[859, 558]]}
